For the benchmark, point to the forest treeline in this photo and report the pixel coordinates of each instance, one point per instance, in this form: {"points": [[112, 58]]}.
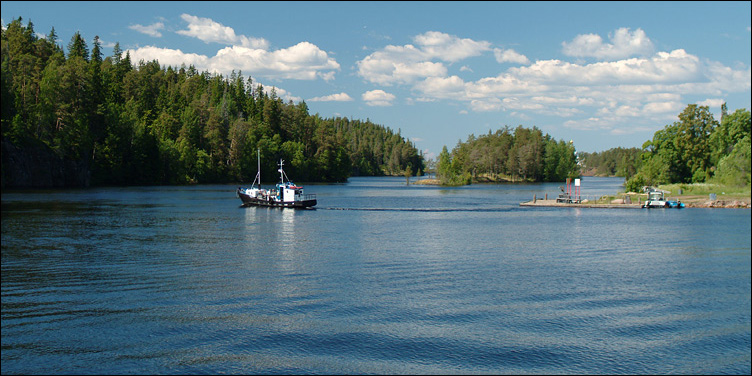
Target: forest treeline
{"points": [[619, 161], [695, 149], [133, 123], [520, 154]]}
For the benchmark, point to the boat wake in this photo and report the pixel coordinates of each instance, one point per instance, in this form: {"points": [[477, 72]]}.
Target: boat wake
{"points": [[426, 210]]}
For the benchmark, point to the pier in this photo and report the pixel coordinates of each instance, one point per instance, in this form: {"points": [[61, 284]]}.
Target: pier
{"points": [[571, 197], [553, 203]]}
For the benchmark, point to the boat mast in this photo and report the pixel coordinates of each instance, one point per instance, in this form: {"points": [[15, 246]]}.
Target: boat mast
{"points": [[258, 174]]}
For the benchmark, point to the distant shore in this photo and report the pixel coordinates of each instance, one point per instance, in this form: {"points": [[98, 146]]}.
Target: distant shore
{"points": [[635, 200]]}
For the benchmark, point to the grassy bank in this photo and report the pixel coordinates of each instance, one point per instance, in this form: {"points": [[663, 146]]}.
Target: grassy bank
{"points": [[698, 194], [693, 195]]}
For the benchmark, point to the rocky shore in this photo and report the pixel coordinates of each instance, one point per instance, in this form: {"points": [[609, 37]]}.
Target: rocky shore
{"points": [[732, 204], [695, 201]]}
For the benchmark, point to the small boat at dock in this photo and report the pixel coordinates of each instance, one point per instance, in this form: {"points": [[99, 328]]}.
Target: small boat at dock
{"points": [[285, 194], [657, 199]]}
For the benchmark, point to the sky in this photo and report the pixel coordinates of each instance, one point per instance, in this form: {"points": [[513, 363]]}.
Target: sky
{"points": [[601, 74]]}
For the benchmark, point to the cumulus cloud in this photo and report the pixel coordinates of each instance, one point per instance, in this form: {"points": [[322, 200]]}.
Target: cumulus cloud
{"points": [[712, 102], [664, 67], [280, 93], [442, 87], [152, 30], [211, 31], [378, 98], [484, 105], [510, 56], [606, 93], [630, 83], [624, 43], [303, 61], [449, 47], [387, 72], [410, 63], [340, 97], [167, 56]]}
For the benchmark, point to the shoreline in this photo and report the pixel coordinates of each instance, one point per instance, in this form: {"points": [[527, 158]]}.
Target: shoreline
{"points": [[690, 201]]}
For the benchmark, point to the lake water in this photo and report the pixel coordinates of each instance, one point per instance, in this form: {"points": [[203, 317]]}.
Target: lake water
{"points": [[380, 278]]}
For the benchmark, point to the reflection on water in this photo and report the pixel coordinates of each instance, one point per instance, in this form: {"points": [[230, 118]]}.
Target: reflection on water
{"points": [[381, 278]]}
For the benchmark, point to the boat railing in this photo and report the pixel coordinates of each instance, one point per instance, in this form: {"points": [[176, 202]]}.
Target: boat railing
{"points": [[307, 197]]}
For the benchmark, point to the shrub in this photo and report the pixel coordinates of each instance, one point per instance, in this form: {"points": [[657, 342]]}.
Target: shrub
{"points": [[635, 184]]}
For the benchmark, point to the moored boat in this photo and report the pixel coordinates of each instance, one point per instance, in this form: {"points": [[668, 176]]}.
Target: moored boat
{"points": [[285, 194], [656, 199]]}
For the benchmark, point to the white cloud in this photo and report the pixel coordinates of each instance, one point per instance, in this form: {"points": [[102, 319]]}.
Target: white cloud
{"points": [[152, 30], [484, 105], [208, 31], [663, 67], [666, 108], [516, 104], [167, 56], [304, 61], [407, 64], [280, 93], [340, 97], [449, 47], [712, 102], [378, 98], [442, 87], [510, 56], [563, 99], [631, 88], [384, 69], [597, 96], [623, 44]]}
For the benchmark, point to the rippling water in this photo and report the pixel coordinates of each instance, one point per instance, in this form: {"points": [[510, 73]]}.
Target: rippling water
{"points": [[380, 278]]}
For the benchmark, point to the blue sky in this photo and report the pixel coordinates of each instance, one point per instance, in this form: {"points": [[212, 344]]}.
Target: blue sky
{"points": [[603, 74]]}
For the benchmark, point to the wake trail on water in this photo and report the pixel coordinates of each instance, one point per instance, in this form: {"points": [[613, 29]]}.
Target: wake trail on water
{"points": [[426, 210]]}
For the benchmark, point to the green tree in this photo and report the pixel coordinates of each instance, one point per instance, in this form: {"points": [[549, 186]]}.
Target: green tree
{"points": [[77, 47], [147, 124], [734, 169], [733, 128], [696, 123]]}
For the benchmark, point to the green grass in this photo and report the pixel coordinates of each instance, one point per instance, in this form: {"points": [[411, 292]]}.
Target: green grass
{"points": [[706, 188]]}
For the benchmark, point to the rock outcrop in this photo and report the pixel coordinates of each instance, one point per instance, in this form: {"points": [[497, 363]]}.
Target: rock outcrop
{"points": [[721, 204]]}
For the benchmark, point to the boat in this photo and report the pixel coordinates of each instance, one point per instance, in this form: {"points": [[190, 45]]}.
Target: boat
{"points": [[657, 199], [285, 194]]}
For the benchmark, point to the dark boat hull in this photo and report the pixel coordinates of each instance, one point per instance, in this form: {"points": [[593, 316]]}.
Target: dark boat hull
{"points": [[252, 201]]}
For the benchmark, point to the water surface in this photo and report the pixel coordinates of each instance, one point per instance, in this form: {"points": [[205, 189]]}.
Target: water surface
{"points": [[380, 278]]}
